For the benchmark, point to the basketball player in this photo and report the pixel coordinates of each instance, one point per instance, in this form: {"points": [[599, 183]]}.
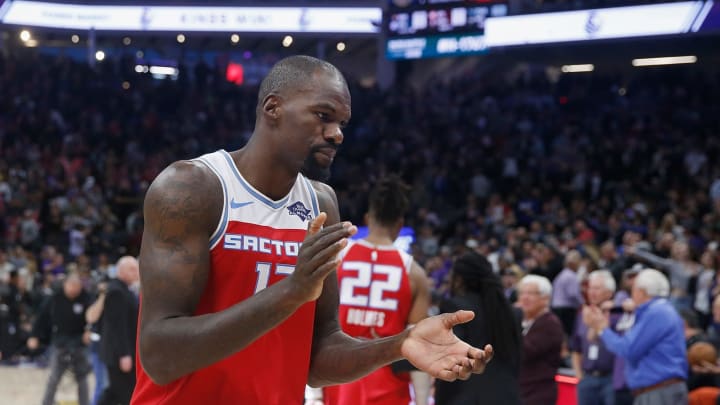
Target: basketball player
{"points": [[382, 291], [239, 300]]}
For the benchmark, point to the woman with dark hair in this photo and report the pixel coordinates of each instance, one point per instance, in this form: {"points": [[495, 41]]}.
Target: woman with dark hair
{"points": [[475, 287]]}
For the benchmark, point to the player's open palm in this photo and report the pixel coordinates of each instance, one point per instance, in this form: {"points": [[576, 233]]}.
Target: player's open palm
{"points": [[432, 347]]}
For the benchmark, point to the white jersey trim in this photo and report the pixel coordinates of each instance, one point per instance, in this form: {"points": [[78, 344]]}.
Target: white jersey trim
{"points": [[252, 190], [221, 227], [313, 196]]}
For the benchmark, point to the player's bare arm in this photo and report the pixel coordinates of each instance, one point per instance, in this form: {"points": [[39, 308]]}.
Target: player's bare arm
{"points": [[430, 346], [420, 285], [421, 294], [182, 208]]}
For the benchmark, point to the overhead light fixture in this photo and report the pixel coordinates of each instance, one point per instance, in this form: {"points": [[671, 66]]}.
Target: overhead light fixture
{"points": [[25, 35], [588, 67], [163, 70], [75, 38], [669, 60], [100, 56], [287, 41], [340, 46], [234, 38], [180, 38], [127, 41]]}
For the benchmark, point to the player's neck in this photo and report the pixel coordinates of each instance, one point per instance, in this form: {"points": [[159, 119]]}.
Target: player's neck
{"points": [[258, 170], [380, 237]]}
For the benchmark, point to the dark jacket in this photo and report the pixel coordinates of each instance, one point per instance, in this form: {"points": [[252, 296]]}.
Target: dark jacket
{"points": [[542, 345], [119, 323], [499, 383], [61, 321]]}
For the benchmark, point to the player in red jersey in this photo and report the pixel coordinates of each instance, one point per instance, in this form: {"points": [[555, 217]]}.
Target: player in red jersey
{"points": [[241, 307], [382, 291]]}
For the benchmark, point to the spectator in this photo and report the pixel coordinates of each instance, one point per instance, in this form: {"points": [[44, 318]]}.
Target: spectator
{"points": [[542, 341], [93, 316], [475, 287], [622, 300], [693, 334], [679, 267], [566, 297], [654, 348], [591, 360], [702, 286], [19, 306], [120, 318], [61, 322]]}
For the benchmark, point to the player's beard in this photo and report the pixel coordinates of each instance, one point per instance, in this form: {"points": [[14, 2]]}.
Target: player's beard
{"points": [[313, 170]]}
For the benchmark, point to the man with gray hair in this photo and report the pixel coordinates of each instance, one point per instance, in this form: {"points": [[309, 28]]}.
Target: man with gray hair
{"points": [[591, 360], [654, 348], [542, 341]]}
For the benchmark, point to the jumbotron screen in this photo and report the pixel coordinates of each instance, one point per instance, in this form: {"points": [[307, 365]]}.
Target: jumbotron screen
{"points": [[435, 18], [420, 29]]}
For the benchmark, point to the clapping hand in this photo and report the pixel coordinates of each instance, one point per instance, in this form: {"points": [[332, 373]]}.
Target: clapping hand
{"points": [[594, 318]]}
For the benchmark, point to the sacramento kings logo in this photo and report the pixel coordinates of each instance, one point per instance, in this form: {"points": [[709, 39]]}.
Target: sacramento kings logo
{"points": [[297, 208], [593, 24]]}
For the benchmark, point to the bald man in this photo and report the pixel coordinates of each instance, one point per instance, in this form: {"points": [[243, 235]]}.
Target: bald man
{"points": [[119, 328], [61, 322]]}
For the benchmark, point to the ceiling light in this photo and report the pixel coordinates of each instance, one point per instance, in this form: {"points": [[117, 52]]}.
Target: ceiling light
{"points": [[669, 60], [577, 68]]}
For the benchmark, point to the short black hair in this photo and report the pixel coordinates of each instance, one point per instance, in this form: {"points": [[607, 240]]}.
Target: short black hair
{"points": [[291, 73], [389, 200]]}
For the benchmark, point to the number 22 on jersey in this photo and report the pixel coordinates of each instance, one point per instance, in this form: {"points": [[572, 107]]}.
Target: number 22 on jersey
{"points": [[364, 279]]}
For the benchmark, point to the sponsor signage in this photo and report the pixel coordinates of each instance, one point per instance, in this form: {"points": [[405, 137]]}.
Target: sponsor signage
{"points": [[434, 46], [608, 23], [361, 20]]}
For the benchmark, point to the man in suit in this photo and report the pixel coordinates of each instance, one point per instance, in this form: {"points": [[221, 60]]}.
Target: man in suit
{"points": [[119, 327]]}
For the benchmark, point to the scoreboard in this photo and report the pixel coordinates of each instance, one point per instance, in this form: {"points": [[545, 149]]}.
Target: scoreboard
{"points": [[419, 29]]}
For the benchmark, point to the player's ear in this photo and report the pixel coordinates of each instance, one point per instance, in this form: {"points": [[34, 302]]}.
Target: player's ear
{"points": [[271, 107]]}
